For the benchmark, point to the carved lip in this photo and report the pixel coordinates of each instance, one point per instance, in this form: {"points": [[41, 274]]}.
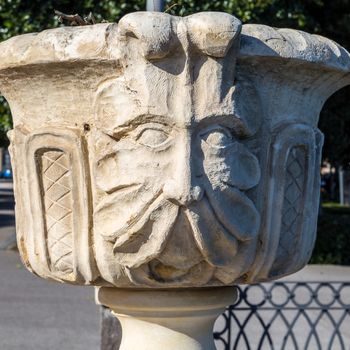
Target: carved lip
{"points": [[99, 43]]}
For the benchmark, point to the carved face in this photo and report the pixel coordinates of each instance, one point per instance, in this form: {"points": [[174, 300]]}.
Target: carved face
{"points": [[170, 161], [174, 200]]}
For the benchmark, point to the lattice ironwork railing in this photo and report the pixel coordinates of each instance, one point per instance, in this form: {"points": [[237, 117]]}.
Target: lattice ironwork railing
{"points": [[287, 316]]}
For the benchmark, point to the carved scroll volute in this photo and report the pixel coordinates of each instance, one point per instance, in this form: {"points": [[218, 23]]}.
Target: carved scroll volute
{"points": [[54, 222], [293, 188]]}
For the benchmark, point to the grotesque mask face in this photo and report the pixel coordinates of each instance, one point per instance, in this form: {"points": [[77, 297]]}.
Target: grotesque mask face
{"points": [[172, 167]]}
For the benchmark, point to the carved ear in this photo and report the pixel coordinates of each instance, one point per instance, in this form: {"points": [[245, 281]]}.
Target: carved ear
{"points": [[247, 107], [154, 31], [214, 33]]}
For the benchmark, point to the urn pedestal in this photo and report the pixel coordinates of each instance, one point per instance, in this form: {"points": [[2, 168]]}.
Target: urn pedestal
{"points": [[167, 319], [166, 159]]}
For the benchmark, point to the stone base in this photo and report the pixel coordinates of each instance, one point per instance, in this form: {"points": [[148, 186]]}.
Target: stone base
{"points": [[111, 332], [167, 319]]}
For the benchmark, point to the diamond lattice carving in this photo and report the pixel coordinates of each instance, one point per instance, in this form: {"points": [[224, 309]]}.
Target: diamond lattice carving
{"points": [[293, 197], [56, 182]]}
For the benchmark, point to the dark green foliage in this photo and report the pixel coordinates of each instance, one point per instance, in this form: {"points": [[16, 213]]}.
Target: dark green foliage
{"points": [[17, 16], [333, 237], [5, 121], [335, 123]]}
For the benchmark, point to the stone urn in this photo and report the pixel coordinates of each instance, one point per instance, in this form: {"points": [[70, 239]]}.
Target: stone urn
{"points": [[166, 159]]}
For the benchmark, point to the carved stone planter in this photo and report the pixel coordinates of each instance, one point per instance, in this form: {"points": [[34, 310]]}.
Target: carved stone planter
{"points": [[166, 153]]}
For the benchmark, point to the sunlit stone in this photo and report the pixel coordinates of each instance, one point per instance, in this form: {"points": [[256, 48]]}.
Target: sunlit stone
{"points": [[167, 152]]}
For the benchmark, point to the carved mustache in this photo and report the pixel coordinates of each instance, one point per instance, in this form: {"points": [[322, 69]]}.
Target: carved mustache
{"points": [[218, 221]]}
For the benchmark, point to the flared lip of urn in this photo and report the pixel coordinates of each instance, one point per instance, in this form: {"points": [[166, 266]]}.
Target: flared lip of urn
{"points": [[99, 42]]}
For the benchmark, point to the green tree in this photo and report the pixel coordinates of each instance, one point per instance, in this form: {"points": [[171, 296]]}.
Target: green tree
{"points": [[5, 121], [335, 123]]}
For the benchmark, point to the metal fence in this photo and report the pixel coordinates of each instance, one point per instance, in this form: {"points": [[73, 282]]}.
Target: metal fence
{"points": [[287, 316]]}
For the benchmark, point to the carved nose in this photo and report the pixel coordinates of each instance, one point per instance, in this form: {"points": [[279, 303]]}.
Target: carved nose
{"points": [[182, 195]]}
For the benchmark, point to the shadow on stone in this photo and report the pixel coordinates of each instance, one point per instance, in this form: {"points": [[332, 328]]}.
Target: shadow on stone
{"points": [[111, 330]]}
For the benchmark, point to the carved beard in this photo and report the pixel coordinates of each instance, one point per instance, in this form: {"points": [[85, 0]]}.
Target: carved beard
{"points": [[160, 241]]}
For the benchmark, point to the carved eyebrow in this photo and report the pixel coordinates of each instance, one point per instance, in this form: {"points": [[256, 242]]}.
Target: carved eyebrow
{"points": [[120, 130], [230, 121]]}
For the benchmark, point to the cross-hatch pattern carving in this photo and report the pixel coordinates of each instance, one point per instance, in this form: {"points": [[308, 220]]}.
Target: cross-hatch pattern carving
{"points": [[57, 189], [292, 205], [293, 196]]}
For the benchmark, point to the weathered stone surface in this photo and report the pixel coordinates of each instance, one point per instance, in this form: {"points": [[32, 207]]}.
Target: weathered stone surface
{"points": [[168, 152]]}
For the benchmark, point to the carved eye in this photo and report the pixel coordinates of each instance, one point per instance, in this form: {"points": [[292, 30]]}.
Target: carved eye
{"points": [[152, 137], [218, 137]]}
